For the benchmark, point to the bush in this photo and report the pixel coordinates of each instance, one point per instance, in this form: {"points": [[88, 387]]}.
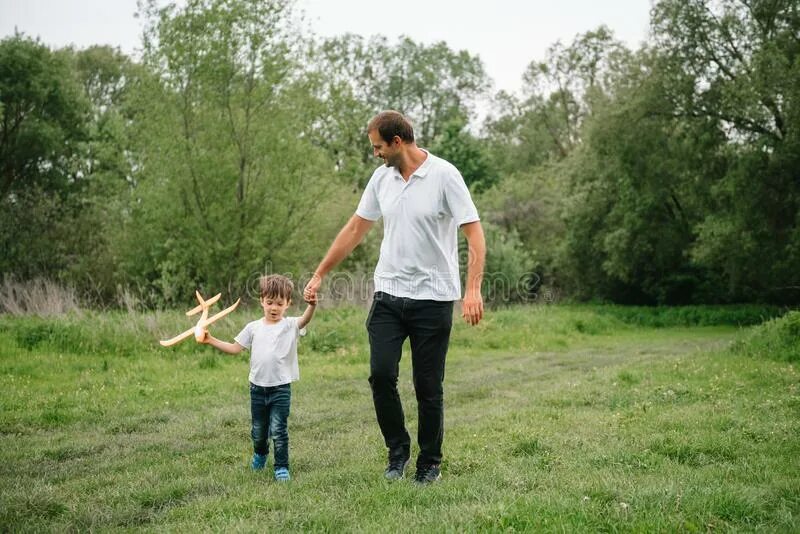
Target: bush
{"points": [[665, 316], [508, 274], [775, 339]]}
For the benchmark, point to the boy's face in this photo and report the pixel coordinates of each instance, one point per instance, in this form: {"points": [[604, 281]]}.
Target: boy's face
{"points": [[274, 308]]}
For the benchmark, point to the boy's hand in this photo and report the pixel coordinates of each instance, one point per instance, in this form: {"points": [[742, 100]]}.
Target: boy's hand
{"points": [[310, 299], [206, 337]]}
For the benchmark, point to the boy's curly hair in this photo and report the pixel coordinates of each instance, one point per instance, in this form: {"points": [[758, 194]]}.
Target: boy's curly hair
{"points": [[276, 286]]}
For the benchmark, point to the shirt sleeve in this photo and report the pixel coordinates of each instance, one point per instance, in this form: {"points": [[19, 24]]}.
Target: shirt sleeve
{"points": [[458, 199], [295, 324], [369, 208], [245, 337]]}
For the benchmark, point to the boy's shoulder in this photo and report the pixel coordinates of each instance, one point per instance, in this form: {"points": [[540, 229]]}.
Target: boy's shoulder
{"points": [[253, 324], [260, 323]]}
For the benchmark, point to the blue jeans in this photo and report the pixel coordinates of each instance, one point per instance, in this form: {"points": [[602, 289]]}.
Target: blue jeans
{"points": [[269, 407]]}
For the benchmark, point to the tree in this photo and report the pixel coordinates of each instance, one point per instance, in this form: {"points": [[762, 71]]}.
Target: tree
{"points": [[559, 94], [228, 184], [458, 146], [636, 192], [106, 164], [735, 64], [43, 124], [43, 114], [432, 84], [684, 188], [533, 143]]}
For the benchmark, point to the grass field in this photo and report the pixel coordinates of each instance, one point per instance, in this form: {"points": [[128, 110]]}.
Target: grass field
{"points": [[558, 418]]}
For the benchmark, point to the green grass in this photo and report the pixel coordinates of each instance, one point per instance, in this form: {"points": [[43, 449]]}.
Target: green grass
{"points": [[563, 418], [777, 339]]}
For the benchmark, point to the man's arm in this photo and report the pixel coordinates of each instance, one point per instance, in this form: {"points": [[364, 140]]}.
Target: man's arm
{"points": [[472, 309], [348, 238]]}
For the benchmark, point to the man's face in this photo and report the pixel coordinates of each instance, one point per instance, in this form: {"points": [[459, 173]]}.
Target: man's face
{"points": [[389, 152], [274, 308]]}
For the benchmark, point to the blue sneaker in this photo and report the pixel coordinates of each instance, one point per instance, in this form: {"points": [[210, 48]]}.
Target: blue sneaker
{"points": [[259, 461], [282, 474]]}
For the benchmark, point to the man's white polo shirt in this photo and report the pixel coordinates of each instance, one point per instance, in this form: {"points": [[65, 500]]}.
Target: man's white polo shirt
{"points": [[419, 252]]}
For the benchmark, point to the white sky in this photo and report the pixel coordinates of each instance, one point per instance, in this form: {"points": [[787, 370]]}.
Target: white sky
{"points": [[506, 34]]}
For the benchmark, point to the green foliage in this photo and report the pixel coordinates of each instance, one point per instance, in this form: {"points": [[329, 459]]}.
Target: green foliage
{"points": [[560, 93], [432, 84], [229, 182], [681, 191], [463, 150], [735, 68], [43, 115], [75, 334], [523, 209], [44, 120], [509, 274], [775, 339], [636, 193], [673, 316], [68, 162]]}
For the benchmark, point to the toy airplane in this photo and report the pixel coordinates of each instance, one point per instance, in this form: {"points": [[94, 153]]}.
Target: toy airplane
{"points": [[204, 321]]}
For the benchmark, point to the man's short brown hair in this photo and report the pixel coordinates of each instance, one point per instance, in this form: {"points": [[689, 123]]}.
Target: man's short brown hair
{"points": [[391, 123], [276, 286]]}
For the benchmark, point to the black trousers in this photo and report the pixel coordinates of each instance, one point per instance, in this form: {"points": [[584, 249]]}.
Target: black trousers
{"points": [[427, 323]]}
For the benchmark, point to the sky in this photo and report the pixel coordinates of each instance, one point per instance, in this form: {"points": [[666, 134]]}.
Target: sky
{"points": [[506, 34]]}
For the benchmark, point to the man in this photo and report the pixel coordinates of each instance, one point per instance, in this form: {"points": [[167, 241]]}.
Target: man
{"points": [[423, 201]]}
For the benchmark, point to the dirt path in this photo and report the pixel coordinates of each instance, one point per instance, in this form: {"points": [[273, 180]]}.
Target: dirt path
{"points": [[471, 378]]}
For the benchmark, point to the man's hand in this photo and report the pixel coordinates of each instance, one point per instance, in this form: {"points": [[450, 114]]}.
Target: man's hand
{"points": [[472, 308], [310, 292]]}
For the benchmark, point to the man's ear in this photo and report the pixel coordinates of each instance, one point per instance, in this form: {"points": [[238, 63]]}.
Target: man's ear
{"points": [[396, 140]]}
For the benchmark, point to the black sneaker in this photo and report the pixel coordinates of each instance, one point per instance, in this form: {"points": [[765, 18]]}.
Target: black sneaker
{"points": [[428, 474], [396, 468]]}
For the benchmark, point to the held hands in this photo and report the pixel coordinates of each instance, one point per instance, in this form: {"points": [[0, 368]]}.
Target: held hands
{"points": [[472, 308], [310, 300], [310, 291]]}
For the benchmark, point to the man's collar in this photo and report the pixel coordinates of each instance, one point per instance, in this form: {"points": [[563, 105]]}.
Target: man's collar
{"points": [[422, 170]]}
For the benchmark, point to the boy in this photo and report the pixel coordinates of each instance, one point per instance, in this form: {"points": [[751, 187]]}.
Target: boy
{"points": [[272, 341]]}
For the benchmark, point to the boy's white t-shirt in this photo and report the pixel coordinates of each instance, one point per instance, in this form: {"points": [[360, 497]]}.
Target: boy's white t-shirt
{"points": [[273, 350]]}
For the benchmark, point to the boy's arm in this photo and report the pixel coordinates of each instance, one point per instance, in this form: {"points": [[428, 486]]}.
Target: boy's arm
{"points": [[307, 315], [224, 346]]}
